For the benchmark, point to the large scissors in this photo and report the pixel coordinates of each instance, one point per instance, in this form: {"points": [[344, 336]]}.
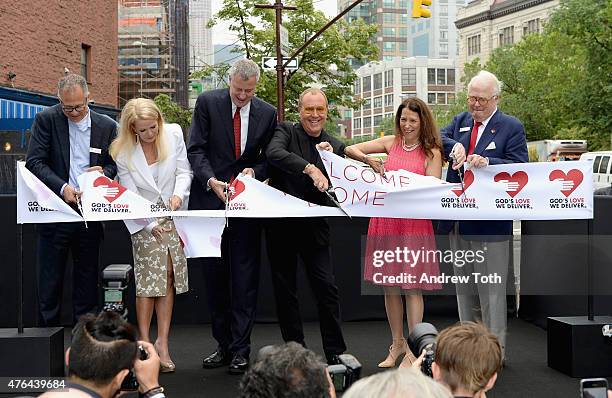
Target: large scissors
{"points": [[331, 197], [80, 207], [452, 157]]}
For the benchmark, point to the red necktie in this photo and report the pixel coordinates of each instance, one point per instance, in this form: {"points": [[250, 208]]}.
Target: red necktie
{"points": [[473, 137], [237, 150]]}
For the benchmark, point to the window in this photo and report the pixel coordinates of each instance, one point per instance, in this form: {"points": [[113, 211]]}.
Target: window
{"points": [[431, 76], [431, 98], [403, 4], [603, 167], [389, 3], [357, 86], [357, 123], [441, 76], [473, 45], [388, 58], [444, 9], [450, 98], [404, 19], [389, 100], [450, 77], [378, 81], [596, 164], [443, 23], [389, 46], [506, 36], [532, 26], [347, 114], [367, 83], [367, 104], [408, 76], [403, 32], [378, 102], [441, 98], [367, 122], [388, 17], [444, 35], [389, 78], [377, 120], [408, 95], [389, 32], [443, 48], [403, 46], [86, 61]]}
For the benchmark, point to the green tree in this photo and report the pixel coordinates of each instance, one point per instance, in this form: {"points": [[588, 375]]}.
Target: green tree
{"points": [[559, 83], [173, 112], [324, 62]]}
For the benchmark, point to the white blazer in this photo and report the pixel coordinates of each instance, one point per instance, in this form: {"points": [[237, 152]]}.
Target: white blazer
{"points": [[174, 173]]}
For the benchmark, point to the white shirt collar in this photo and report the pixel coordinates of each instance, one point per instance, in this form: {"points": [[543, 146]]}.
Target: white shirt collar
{"points": [[484, 123], [246, 108], [83, 124]]}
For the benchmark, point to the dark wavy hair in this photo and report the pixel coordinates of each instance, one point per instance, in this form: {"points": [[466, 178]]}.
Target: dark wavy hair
{"points": [[102, 346], [285, 371], [429, 133]]}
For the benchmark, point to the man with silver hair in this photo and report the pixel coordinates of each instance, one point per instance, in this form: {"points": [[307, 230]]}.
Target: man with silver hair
{"points": [[478, 138], [228, 136], [67, 140], [405, 383]]}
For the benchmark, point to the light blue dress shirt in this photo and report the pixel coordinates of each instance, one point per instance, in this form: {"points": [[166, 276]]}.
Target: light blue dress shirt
{"points": [[80, 134]]}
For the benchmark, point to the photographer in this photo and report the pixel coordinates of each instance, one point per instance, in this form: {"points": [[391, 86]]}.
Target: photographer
{"points": [[104, 349], [287, 371], [467, 359]]}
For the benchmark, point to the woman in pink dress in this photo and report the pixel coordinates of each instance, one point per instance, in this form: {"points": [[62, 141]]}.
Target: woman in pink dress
{"points": [[417, 148]]}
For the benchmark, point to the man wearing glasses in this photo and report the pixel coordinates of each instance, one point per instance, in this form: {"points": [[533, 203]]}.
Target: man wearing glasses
{"points": [[69, 139], [480, 137], [297, 169]]}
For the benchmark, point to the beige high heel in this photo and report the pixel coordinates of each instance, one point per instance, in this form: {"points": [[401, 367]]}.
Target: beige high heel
{"points": [[408, 360], [395, 351]]}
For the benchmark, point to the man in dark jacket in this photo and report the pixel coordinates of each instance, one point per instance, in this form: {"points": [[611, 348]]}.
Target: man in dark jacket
{"points": [[297, 169], [67, 140]]}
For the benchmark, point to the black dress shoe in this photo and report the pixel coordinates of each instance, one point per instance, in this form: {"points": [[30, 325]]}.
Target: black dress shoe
{"points": [[333, 359], [217, 359], [238, 365]]}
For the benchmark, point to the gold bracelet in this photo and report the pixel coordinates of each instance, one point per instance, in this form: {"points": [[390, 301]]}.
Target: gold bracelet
{"points": [[305, 171]]}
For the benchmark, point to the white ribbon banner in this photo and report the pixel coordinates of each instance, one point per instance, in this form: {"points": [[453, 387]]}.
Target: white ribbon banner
{"points": [[519, 191]]}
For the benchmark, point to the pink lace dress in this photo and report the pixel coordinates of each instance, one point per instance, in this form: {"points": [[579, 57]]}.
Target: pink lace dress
{"points": [[402, 251]]}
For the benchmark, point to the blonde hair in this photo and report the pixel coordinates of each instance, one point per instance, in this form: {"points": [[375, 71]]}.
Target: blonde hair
{"points": [[138, 109], [407, 383]]}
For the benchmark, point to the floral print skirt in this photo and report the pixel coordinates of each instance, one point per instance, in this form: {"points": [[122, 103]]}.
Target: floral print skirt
{"points": [[150, 262]]}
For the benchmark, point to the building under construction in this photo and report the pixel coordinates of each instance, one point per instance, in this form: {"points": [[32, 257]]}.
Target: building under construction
{"points": [[153, 48]]}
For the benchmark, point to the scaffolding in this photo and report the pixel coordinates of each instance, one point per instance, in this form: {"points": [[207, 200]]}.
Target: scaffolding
{"points": [[146, 50]]}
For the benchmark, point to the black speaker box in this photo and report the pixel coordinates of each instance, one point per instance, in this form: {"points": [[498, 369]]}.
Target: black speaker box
{"points": [[35, 352], [579, 347]]}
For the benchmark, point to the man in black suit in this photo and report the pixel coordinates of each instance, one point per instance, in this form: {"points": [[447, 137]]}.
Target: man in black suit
{"points": [[297, 169], [67, 140], [229, 133]]}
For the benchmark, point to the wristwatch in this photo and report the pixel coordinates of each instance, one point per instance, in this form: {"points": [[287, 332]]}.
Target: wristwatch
{"points": [[305, 171], [152, 392]]}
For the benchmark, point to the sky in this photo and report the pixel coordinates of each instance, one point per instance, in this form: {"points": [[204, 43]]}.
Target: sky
{"points": [[221, 34]]}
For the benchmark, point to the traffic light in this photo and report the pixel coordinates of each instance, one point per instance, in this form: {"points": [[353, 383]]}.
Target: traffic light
{"points": [[418, 11]]}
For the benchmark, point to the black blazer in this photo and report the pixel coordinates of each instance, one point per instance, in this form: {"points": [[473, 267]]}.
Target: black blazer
{"points": [[210, 149], [285, 154], [48, 155]]}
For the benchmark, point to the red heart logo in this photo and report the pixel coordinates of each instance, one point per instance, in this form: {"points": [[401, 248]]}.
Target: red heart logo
{"points": [[107, 182], [468, 179], [236, 188], [574, 175], [514, 183]]}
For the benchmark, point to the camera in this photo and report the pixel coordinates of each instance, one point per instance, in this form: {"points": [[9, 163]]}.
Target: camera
{"points": [[116, 278], [423, 337], [345, 373], [130, 383]]}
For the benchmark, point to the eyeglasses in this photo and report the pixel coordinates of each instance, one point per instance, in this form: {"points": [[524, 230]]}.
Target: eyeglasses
{"points": [[310, 110], [481, 100], [78, 108]]}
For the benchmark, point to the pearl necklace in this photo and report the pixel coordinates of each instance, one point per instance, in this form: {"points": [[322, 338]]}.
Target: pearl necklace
{"points": [[409, 148]]}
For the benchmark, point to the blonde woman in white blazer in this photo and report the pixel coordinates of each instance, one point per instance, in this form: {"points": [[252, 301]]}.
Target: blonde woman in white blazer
{"points": [[152, 162]]}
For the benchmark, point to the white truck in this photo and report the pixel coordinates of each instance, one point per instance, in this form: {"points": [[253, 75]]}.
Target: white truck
{"points": [[556, 150]]}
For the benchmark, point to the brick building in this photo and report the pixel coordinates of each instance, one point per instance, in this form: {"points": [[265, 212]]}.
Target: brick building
{"points": [[41, 39]]}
